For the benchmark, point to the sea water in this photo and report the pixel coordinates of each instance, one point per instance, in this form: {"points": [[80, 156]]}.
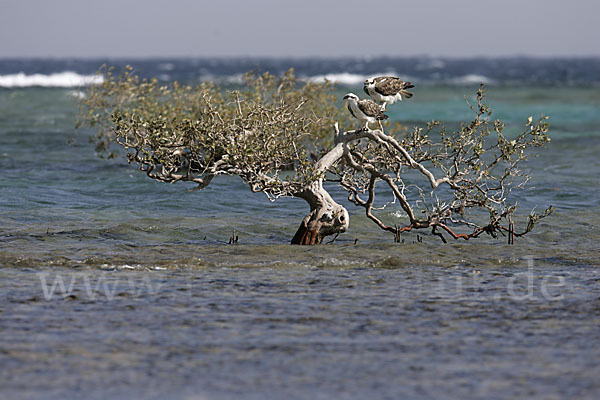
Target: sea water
{"points": [[116, 286]]}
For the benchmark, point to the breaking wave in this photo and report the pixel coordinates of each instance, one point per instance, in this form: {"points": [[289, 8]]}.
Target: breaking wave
{"points": [[472, 79], [350, 72], [349, 79], [345, 78], [66, 79], [353, 79]]}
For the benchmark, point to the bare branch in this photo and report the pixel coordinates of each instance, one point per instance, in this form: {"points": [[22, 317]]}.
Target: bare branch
{"points": [[275, 134]]}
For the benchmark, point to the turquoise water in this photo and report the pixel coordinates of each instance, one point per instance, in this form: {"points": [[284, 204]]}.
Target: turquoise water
{"points": [[161, 305], [54, 193]]}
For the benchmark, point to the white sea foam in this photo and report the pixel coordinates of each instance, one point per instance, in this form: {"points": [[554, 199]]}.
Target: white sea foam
{"points": [[349, 79], [166, 66], [66, 79], [471, 79], [344, 78], [429, 64], [78, 94], [235, 79]]}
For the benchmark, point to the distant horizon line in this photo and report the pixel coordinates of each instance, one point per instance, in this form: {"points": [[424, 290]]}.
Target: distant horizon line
{"points": [[292, 57]]}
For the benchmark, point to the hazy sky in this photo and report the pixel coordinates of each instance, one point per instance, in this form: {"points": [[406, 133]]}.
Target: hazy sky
{"points": [[127, 28]]}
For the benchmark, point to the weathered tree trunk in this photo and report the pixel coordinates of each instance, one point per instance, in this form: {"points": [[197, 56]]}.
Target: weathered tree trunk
{"points": [[326, 216]]}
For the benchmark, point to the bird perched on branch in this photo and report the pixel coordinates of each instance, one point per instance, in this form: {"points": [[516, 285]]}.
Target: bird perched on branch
{"points": [[387, 89], [364, 110]]}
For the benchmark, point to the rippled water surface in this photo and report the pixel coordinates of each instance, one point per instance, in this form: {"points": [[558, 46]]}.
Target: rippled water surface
{"points": [[114, 286], [514, 329]]}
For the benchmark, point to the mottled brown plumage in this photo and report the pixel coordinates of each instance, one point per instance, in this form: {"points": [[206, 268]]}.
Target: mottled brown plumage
{"points": [[387, 89], [389, 86], [371, 109], [365, 110]]}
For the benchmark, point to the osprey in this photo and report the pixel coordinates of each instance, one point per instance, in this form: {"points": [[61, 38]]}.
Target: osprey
{"points": [[364, 110], [387, 89]]}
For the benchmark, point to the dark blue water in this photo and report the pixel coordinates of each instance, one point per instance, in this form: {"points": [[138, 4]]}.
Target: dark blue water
{"points": [[155, 303], [513, 71]]}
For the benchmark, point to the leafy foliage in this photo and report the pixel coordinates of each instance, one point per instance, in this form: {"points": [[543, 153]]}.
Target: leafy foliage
{"points": [[180, 132]]}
